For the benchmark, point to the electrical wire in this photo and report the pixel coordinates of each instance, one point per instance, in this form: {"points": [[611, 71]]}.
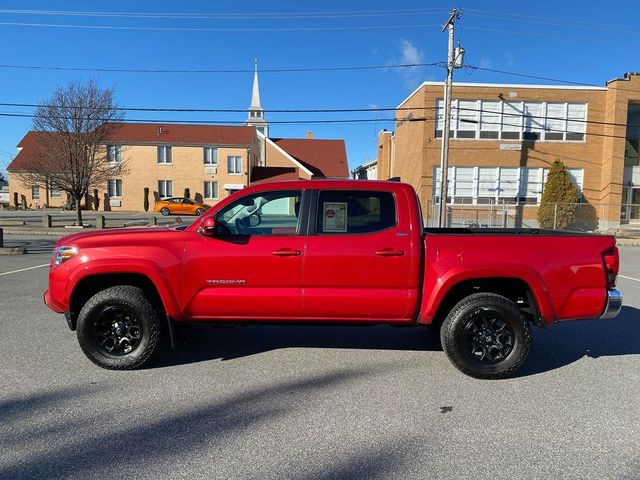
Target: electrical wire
{"points": [[236, 15], [212, 29], [266, 70]]}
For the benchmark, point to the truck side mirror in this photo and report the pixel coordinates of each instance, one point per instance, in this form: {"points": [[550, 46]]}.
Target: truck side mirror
{"points": [[208, 227]]}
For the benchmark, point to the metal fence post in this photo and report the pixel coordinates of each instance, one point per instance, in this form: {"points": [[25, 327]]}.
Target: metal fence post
{"points": [[1, 238], [46, 220], [100, 222]]}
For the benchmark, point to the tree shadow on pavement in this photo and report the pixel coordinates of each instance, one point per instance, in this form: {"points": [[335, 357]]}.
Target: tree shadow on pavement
{"points": [[99, 448], [565, 343], [31, 246]]}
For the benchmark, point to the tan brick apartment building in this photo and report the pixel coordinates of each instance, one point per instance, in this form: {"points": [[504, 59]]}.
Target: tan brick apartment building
{"points": [[212, 161], [504, 139]]}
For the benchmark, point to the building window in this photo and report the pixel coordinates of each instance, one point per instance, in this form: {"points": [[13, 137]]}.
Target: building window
{"points": [[164, 154], [55, 192], [210, 155], [211, 190], [234, 165], [491, 185], [35, 193], [114, 188], [165, 188], [114, 154], [525, 121]]}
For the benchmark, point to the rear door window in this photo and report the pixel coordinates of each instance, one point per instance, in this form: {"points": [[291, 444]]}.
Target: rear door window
{"points": [[343, 212]]}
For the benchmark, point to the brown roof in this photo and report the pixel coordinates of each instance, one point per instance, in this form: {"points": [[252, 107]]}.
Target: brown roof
{"points": [[325, 158], [175, 133], [272, 174], [150, 133], [30, 147]]}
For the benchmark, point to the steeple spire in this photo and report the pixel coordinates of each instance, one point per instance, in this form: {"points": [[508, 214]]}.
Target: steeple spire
{"points": [[255, 95], [256, 113]]}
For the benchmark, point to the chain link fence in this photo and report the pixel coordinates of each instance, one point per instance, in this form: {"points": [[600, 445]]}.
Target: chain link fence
{"points": [[586, 217]]}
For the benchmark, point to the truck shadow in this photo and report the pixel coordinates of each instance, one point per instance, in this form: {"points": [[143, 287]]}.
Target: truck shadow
{"points": [[552, 348], [565, 343]]}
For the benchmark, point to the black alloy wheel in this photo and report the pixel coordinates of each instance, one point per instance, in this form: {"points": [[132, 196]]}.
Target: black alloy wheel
{"points": [[486, 336], [117, 330], [199, 211], [164, 211]]}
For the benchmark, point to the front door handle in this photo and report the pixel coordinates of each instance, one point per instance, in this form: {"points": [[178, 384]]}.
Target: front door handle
{"points": [[390, 252], [286, 252]]}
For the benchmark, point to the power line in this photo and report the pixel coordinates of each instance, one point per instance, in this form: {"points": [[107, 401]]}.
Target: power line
{"points": [[245, 15], [219, 122], [328, 110], [267, 70], [555, 23], [547, 20], [552, 35], [209, 29], [549, 79]]}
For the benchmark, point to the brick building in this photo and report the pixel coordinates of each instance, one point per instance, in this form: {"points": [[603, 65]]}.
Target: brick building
{"points": [[504, 137], [212, 161]]}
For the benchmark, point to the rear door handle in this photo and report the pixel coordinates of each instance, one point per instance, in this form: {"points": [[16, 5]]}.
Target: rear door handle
{"points": [[286, 252], [390, 252]]}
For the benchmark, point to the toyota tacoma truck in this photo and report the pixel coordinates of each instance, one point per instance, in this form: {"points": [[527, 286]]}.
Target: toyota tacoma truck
{"points": [[329, 252]]}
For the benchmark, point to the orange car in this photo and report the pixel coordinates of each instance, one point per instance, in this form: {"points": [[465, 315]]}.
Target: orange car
{"points": [[180, 205]]}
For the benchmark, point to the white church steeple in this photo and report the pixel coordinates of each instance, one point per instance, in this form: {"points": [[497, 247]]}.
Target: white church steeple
{"points": [[256, 113]]}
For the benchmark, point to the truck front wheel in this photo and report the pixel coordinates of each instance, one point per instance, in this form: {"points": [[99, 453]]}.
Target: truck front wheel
{"points": [[486, 336], [119, 329]]}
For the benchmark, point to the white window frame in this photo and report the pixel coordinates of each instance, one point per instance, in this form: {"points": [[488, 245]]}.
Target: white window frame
{"points": [[114, 153], [56, 192], [164, 189], [237, 160], [516, 123], [211, 184], [210, 155], [162, 157], [117, 185], [35, 189], [535, 175]]}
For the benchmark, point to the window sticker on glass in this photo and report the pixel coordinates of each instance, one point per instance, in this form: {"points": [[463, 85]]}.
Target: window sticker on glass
{"points": [[334, 218]]}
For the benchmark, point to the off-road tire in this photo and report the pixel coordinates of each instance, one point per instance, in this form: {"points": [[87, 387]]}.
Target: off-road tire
{"points": [[457, 333], [123, 298], [165, 211]]}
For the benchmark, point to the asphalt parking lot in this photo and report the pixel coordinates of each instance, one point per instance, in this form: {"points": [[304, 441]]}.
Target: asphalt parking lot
{"points": [[313, 403]]}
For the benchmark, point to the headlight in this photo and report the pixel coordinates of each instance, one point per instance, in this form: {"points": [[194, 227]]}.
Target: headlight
{"points": [[62, 254]]}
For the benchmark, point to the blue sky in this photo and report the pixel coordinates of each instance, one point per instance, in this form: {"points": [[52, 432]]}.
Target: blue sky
{"points": [[586, 41]]}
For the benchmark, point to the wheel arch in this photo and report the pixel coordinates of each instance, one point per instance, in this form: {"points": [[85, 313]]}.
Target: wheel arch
{"points": [[88, 286], [515, 289]]}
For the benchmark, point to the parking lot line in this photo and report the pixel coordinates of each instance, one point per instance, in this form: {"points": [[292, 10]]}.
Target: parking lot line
{"points": [[630, 278], [24, 269]]}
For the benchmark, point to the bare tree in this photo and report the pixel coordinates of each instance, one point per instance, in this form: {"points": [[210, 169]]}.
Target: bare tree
{"points": [[73, 128]]}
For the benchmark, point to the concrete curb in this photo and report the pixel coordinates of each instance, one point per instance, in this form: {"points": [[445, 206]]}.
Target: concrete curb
{"points": [[12, 251]]}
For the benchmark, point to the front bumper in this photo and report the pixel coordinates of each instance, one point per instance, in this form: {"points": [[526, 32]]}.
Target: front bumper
{"points": [[614, 304]]}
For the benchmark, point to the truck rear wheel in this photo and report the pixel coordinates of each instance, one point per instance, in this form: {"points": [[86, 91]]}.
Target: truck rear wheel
{"points": [[486, 336], [119, 329]]}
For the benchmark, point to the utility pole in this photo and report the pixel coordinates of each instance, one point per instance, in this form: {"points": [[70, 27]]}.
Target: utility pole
{"points": [[454, 60]]}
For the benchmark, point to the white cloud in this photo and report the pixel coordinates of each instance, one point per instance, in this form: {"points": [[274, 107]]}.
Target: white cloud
{"points": [[485, 62], [508, 58], [410, 54]]}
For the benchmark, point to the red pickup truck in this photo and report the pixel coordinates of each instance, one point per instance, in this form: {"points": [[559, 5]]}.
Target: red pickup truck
{"points": [[327, 252]]}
